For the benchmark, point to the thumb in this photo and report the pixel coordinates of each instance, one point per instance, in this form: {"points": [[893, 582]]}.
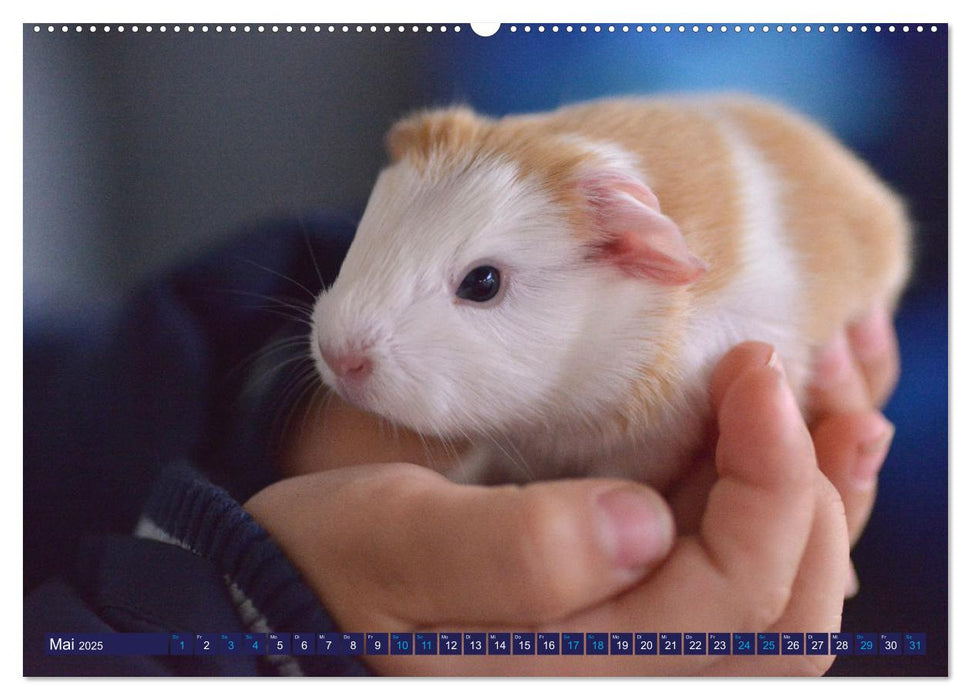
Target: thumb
{"points": [[402, 542]]}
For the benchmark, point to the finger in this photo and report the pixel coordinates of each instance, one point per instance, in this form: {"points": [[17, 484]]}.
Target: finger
{"points": [[874, 345], [766, 466], [738, 571], [817, 597], [851, 449], [816, 603], [423, 550], [688, 495], [836, 383]]}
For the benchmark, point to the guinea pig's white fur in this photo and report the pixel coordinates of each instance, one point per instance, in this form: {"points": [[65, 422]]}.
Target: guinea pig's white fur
{"points": [[581, 365]]}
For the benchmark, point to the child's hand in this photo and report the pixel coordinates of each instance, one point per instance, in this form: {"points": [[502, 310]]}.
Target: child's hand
{"points": [[852, 376], [855, 373], [396, 547]]}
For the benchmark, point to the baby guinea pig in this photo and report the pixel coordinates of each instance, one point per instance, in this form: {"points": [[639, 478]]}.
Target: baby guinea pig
{"points": [[556, 288]]}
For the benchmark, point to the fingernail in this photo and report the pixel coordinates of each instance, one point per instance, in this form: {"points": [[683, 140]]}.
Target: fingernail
{"points": [[870, 336], [776, 363], [832, 363], [635, 533], [871, 454]]}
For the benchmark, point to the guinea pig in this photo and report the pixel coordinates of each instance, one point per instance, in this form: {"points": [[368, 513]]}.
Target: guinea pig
{"points": [[555, 288]]}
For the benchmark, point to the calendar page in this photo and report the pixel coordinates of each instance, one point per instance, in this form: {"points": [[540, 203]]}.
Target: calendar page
{"points": [[195, 501]]}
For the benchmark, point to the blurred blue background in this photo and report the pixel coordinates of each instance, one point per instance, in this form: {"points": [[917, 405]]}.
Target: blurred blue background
{"points": [[143, 151]]}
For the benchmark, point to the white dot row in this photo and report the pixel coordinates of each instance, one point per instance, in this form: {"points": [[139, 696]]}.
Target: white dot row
{"points": [[724, 28], [303, 28], [667, 28]]}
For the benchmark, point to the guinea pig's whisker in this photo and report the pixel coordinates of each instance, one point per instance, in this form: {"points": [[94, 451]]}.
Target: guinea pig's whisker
{"points": [[286, 302], [286, 313], [441, 440], [294, 362], [299, 311], [281, 409], [310, 251], [281, 276], [268, 374], [322, 402], [288, 308], [273, 348], [387, 430], [300, 378], [427, 450], [293, 397], [520, 463], [452, 450], [519, 460], [318, 396], [328, 404], [512, 454]]}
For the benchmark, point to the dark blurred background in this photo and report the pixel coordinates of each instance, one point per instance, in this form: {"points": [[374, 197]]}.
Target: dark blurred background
{"points": [[143, 150]]}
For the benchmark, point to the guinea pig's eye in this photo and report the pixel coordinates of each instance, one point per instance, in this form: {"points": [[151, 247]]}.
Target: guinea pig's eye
{"points": [[481, 284]]}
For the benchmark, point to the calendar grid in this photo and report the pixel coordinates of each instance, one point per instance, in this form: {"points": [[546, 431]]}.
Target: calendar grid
{"points": [[491, 644]]}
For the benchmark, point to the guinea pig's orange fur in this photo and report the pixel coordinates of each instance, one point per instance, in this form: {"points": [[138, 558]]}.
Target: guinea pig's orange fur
{"points": [[852, 233], [849, 232]]}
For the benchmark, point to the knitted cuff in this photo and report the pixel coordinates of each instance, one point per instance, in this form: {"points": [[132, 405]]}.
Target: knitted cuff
{"points": [[187, 510]]}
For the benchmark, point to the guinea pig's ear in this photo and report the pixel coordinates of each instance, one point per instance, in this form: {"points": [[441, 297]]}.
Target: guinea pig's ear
{"points": [[433, 129], [631, 232]]}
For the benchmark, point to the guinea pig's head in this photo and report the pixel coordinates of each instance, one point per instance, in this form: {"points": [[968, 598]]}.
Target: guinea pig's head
{"points": [[467, 300]]}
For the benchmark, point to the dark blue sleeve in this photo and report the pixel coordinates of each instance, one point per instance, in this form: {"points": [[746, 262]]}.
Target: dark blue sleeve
{"points": [[196, 563], [157, 422]]}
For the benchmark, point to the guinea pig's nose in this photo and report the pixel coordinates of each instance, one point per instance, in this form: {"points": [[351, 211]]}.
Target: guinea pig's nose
{"points": [[354, 365]]}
